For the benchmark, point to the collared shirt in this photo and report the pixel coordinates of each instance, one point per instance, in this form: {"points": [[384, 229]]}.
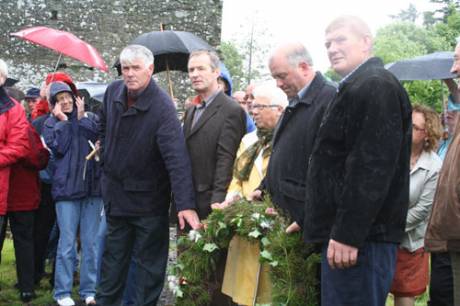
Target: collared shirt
{"points": [[295, 100], [348, 75], [199, 109]]}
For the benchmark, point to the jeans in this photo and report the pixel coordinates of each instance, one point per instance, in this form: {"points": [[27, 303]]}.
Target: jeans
{"points": [[72, 215], [366, 283]]}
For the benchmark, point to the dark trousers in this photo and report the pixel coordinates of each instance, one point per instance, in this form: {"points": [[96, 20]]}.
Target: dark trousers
{"points": [[45, 217], [2, 234], [22, 228], [150, 237], [367, 283], [441, 281]]}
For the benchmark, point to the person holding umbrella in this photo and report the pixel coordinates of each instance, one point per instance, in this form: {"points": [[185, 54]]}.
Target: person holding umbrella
{"points": [[442, 234]]}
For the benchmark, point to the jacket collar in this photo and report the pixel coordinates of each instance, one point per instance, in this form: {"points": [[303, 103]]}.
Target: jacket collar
{"points": [[314, 88], [361, 69], [143, 101], [207, 114], [5, 101], [425, 161]]}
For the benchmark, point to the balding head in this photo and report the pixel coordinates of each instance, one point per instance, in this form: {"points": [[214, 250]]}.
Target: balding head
{"points": [[292, 68]]}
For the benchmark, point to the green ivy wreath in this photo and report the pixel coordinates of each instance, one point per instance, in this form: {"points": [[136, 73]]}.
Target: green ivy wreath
{"points": [[293, 263]]}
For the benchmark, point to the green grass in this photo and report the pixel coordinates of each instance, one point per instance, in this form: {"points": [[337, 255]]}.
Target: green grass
{"points": [[419, 301], [9, 296]]}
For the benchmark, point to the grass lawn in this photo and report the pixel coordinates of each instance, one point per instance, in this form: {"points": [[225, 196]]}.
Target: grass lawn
{"points": [[9, 296]]}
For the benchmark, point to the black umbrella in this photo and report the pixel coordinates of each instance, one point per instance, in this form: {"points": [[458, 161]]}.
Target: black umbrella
{"points": [[10, 82], [434, 66], [171, 49]]}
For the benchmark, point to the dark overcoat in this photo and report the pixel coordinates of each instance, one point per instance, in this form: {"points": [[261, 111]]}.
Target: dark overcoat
{"points": [[292, 145], [358, 177], [212, 143], [143, 154]]}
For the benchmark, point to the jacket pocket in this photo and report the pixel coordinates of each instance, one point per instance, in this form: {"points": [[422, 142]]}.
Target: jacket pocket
{"points": [[138, 185], [203, 187], [293, 189]]}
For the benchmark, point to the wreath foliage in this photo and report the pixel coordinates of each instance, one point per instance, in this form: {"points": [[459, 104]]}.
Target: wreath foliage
{"points": [[293, 263]]}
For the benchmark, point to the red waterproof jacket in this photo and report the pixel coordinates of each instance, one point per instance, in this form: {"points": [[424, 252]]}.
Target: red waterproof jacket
{"points": [[14, 142], [24, 190]]}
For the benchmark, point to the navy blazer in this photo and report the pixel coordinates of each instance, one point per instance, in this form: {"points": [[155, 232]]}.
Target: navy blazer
{"points": [[144, 155]]}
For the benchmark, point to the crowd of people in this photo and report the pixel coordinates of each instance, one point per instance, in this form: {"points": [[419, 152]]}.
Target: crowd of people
{"points": [[368, 178]]}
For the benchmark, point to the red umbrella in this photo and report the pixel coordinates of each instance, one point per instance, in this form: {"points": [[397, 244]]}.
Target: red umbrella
{"points": [[64, 43]]}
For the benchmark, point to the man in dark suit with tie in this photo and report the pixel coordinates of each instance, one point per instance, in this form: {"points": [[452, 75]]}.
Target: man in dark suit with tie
{"points": [[213, 131]]}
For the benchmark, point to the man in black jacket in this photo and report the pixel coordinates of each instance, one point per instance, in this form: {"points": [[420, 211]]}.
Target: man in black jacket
{"points": [[144, 158], [358, 179], [309, 94]]}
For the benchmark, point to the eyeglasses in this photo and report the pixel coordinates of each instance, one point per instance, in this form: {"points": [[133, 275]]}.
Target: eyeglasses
{"points": [[262, 106]]}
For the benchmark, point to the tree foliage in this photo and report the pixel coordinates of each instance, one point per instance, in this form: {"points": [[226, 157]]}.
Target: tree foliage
{"points": [[404, 39], [233, 60]]}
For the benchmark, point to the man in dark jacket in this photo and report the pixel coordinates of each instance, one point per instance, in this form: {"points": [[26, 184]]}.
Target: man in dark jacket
{"points": [[213, 131], [358, 177], [309, 94], [144, 157]]}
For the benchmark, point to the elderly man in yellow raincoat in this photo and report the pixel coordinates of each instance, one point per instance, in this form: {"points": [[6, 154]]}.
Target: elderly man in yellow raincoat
{"points": [[244, 277]]}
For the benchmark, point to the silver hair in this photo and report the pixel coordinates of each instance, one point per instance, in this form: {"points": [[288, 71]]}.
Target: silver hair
{"points": [[132, 52], [299, 54], [3, 69], [272, 93], [213, 57]]}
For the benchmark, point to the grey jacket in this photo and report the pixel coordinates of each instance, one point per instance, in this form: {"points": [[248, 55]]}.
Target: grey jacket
{"points": [[423, 180]]}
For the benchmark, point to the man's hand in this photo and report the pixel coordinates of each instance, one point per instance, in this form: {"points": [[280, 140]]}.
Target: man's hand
{"points": [[340, 255], [80, 103], [58, 113], [255, 195], [189, 216], [453, 89], [294, 227]]}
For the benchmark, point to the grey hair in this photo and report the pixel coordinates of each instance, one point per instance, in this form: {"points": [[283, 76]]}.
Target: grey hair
{"points": [[213, 57], [299, 54], [272, 93], [3, 69], [132, 52]]}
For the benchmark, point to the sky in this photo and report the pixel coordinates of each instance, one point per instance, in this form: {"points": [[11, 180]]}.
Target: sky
{"points": [[305, 20]]}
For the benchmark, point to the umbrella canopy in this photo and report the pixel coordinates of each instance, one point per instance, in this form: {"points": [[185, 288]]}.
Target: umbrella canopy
{"points": [[170, 48], [10, 82], [65, 43], [93, 94], [434, 66]]}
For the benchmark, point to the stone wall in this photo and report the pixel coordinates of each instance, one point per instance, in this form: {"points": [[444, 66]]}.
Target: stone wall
{"points": [[108, 25]]}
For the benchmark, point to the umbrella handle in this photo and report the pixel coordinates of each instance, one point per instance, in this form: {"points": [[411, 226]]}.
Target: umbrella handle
{"points": [[169, 81], [57, 63]]}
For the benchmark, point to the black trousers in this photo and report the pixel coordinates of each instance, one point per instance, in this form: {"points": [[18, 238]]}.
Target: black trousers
{"points": [[22, 228], [150, 236], [45, 217], [441, 281]]}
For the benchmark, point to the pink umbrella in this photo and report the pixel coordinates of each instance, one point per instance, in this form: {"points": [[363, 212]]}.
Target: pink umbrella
{"points": [[64, 43]]}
